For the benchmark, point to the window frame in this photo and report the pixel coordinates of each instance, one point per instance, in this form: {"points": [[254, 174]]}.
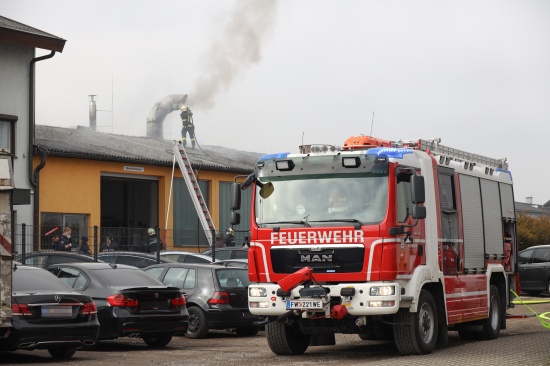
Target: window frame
{"points": [[9, 119]]}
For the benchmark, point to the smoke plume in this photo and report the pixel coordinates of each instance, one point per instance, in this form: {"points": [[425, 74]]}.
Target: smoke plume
{"points": [[236, 51]]}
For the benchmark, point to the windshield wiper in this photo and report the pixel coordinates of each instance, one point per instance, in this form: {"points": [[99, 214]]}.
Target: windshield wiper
{"points": [[341, 220], [296, 222]]}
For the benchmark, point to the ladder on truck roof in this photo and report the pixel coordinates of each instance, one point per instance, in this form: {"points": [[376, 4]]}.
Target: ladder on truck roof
{"points": [[436, 148], [194, 191]]}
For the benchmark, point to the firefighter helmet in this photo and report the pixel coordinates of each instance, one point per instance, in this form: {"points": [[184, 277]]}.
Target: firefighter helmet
{"points": [[151, 231], [229, 231], [184, 108]]}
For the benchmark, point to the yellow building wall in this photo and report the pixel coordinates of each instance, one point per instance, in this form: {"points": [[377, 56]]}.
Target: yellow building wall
{"points": [[73, 186]]}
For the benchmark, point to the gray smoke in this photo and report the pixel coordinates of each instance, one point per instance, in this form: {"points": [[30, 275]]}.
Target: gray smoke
{"points": [[236, 51]]}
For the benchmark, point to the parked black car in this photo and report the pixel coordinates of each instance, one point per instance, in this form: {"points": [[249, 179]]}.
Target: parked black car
{"points": [[182, 256], [130, 303], [228, 253], [534, 269], [216, 295], [134, 259], [48, 314], [46, 258]]}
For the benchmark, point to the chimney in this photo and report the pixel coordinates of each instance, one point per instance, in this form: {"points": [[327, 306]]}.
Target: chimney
{"points": [[529, 200], [159, 112], [93, 110]]}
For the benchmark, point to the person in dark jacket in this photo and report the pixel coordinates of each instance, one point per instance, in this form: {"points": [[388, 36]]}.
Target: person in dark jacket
{"points": [[154, 241], [83, 247], [229, 238], [109, 245], [138, 245], [64, 243], [187, 126]]}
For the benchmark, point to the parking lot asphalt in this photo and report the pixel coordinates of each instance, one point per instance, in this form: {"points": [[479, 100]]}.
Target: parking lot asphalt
{"points": [[524, 342]]}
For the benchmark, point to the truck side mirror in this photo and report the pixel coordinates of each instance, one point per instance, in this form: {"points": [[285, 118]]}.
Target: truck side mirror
{"points": [[235, 218], [418, 212], [418, 190], [235, 196]]}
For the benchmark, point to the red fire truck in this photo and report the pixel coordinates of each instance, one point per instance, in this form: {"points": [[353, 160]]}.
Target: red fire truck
{"points": [[390, 240]]}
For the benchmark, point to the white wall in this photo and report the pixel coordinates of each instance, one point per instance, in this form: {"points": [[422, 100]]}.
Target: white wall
{"points": [[14, 100]]}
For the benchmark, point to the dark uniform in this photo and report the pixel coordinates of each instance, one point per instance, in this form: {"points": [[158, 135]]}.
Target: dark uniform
{"points": [[155, 243], [187, 126], [63, 244]]}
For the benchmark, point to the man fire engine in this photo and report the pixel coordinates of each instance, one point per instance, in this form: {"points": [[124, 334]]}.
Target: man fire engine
{"points": [[351, 240]]}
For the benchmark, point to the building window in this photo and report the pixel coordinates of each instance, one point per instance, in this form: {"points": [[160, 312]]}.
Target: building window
{"points": [[52, 225], [7, 134]]}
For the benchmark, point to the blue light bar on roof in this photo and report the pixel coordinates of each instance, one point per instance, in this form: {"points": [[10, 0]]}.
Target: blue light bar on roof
{"points": [[390, 152], [275, 156]]}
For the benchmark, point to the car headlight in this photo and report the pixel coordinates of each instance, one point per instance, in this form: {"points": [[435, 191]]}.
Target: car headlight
{"points": [[257, 292], [382, 290]]}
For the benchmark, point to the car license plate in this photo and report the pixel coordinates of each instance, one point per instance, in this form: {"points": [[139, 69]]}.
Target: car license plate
{"points": [[57, 311], [304, 304]]}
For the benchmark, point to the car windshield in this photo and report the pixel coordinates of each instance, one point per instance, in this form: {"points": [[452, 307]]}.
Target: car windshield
{"points": [[232, 277], [37, 280], [125, 277], [316, 199]]}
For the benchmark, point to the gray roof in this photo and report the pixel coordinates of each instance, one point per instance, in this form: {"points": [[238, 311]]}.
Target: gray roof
{"points": [[19, 33], [82, 143]]}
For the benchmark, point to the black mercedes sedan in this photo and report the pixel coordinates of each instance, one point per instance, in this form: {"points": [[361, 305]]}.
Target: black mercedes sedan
{"points": [[48, 314], [216, 296], [130, 303]]}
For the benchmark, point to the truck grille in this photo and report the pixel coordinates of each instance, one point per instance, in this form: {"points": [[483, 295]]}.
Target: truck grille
{"points": [[329, 259]]}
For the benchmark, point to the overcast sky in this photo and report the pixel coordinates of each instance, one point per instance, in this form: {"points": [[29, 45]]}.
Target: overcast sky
{"points": [[265, 76]]}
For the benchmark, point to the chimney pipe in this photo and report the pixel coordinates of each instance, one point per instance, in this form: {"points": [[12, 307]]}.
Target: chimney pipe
{"points": [[159, 112], [93, 122], [529, 200]]}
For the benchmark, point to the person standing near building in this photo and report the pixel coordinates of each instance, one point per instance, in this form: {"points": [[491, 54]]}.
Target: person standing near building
{"points": [[64, 243], [138, 245], [109, 245], [155, 243], [229, 238], [83, 247], [187, 126]]}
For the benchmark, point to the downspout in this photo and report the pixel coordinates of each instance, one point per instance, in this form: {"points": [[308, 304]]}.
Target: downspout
{"points": [[34, 174]]}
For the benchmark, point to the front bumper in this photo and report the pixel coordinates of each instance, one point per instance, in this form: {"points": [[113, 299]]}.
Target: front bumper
{"points": [[360, 303]]}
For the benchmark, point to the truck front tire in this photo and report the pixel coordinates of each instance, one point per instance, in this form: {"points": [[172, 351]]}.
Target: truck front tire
{"points": [[286, 339], [416, 333]]}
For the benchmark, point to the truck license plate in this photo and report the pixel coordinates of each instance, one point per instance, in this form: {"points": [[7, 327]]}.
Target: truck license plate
{"points": [[304, 304]]}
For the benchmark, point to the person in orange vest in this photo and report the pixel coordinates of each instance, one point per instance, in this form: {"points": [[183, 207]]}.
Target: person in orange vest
{"points": [[187, 126]]}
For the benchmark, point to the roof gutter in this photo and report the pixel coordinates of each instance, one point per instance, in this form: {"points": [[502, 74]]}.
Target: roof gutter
{"points": [[33, 174]]}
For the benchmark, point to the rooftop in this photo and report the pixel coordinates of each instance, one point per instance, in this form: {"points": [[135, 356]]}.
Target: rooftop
{"points": [[83, 143]]}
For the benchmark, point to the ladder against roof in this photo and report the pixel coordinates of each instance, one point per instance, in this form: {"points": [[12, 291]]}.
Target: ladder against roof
{"points": [[194, 191]]}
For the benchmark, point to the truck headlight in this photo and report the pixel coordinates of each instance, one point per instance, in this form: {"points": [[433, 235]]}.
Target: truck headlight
{"points": [[382, 290], [257, 291]]}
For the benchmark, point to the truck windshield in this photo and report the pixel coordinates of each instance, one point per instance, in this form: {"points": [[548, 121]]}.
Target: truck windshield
{"points": [[317, 200]]}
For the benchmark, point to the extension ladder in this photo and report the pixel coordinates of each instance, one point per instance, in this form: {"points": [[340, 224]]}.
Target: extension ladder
{"points": [[194, 191]]}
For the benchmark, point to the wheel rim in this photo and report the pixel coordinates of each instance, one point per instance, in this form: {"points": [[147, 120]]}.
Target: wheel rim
{"points": [[427, 322], [193, 323], [494, 312]]}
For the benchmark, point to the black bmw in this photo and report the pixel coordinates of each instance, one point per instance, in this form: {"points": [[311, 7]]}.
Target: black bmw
{"points": [[130, 303]]}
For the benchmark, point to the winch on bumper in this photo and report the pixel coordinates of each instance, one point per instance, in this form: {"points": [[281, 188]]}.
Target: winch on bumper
{"points": [[336, 301]]}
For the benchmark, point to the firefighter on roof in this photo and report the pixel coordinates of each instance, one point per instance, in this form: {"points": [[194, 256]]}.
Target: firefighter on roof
{"points": [[187, 126]]}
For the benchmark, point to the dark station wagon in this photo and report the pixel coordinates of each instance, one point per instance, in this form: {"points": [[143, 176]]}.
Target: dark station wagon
{"points": [[216, 296]]}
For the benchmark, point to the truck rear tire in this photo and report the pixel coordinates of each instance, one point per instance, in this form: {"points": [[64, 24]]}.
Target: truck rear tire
{"points": [[286, 339], [491, 325], [416, 333]]}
